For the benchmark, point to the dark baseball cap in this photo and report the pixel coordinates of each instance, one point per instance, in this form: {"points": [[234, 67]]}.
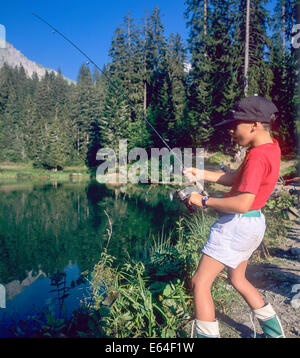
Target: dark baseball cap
{"points": [[251, 109]]}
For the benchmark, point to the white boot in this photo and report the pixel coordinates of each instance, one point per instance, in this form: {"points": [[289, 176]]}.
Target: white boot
{"points": [[269, 322], [206, 329]]}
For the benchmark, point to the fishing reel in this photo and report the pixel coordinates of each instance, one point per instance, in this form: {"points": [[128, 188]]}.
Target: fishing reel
{"points": [[182, 195]]}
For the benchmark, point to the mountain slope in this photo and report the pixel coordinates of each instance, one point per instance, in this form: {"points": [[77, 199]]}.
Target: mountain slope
{"points": [[14, 57]]}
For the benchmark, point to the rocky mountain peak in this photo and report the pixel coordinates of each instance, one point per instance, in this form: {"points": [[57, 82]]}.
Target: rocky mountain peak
{"points": [[14, 58]]}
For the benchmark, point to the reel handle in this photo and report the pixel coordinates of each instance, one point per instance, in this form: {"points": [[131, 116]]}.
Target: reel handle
{"points": [[183, 197]]}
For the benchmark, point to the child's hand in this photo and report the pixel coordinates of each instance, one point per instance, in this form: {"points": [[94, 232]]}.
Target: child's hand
{"points": [[193, 174], [195, 200]]}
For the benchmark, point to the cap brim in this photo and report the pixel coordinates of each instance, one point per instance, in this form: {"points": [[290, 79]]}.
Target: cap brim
{"points": [[224, 123]]}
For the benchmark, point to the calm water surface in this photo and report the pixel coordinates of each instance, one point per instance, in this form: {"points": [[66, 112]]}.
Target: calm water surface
{"points": [[56, 231]]}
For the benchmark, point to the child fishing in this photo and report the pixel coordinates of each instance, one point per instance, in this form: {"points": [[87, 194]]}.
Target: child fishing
{"points": [[240, 229]]}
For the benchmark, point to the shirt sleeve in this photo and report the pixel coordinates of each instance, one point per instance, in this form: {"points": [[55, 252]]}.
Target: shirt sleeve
{"points": [[252, 175]]}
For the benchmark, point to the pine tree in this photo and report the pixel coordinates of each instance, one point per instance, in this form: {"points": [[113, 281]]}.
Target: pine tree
{"points": [[100, 85], [115, 118], [13, 93], [126, 85], [284, 64], [176, 62], [199, 14], [9, 126], [58, 145], [226, 65], [30, 127], [84, 111], [159, 105], [29, 110], [259, 73], [6, 84], [44, 114]]}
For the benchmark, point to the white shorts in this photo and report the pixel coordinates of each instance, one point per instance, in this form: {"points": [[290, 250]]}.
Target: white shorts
{"points": [[233, 238]]}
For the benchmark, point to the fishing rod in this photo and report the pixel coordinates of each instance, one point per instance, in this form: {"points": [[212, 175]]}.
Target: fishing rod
{"points": [[181, 193], [55, 30]]}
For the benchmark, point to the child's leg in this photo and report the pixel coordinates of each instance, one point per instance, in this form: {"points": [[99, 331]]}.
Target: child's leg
{"points": [[202, 280], [265, 314], [244, 287]]}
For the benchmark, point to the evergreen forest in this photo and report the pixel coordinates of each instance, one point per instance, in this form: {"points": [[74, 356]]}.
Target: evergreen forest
{"points": [[183, 87]]}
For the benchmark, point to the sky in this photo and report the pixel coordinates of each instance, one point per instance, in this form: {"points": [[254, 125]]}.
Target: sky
{"points": [[90, 24]]}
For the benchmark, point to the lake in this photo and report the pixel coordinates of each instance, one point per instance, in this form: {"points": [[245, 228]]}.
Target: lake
{"points": [[51, 233]]}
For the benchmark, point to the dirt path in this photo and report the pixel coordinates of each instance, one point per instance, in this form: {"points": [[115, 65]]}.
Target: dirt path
{"points": [[276, 279]]}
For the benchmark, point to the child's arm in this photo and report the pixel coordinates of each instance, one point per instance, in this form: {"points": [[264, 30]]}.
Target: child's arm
{"points": [[194, 174], [240, 203], [226, 179]]}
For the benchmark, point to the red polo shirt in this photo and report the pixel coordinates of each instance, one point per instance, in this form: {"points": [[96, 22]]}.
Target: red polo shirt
{"points": [[258, 174]]}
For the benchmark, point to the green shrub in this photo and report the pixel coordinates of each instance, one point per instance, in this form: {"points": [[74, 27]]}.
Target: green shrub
{"points": [[142, 307], [219, 158], [152, 297]]}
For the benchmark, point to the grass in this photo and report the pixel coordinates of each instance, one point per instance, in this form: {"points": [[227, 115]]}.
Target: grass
{"points": [[10, 171], [275, 212], [154, 297], [219, 157], [288, 168]]}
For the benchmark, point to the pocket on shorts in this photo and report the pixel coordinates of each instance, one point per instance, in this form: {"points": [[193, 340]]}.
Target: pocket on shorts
{"points": [[224, 223]]}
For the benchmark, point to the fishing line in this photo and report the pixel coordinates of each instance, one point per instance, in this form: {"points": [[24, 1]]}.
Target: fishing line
{"points": [[112, 83]]}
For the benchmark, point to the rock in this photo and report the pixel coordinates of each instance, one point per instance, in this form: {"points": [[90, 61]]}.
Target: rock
{"points": [[293, 213], [294, 251], [295, 302]]}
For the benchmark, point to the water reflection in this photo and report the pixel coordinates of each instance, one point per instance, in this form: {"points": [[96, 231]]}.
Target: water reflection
{"points": [[45, 229], [42, 297]]}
